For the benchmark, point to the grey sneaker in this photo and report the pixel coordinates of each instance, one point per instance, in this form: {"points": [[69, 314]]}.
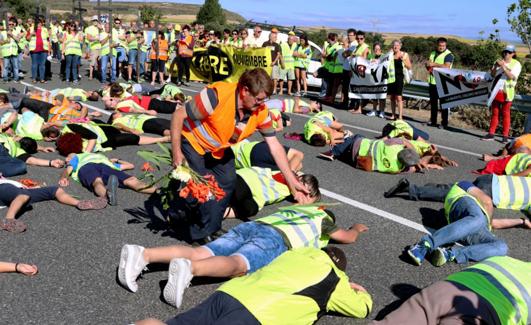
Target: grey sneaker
{"points": [[381, 115], [112, 188], [179, 277], [441, 256], [371, 113], [131, 265]]}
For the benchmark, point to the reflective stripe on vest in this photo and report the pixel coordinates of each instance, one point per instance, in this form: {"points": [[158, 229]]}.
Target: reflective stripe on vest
{"points": [[399, 128], [504, 282], [509, 86], [30, 128], [73, 45], [134, 121], [439, 60], [265, 189], [511, 192], [301, 226], [518, 163], [455, 194], [384, 158], [91, 158], [242, 153]]}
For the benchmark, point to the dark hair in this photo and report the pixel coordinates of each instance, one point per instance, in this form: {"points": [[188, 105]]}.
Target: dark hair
{"points": [[94, 96], [318, 140], [217, 34], [69, 143], [351, 30], [360, 33], [226, 31], [161, 34], [28, 144], [442, 40], [408, 157], [312, 184], [116, 90], [256, 80], [337, 256], [185, 27], [332, 36], [305, 38], [50, 132], [4, 98]]}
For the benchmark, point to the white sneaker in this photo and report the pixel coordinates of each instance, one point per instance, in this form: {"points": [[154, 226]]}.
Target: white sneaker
{"points": [[179, 277], [381, 115], [347, 133], [131, 265], [371, 113], [168, 80]]}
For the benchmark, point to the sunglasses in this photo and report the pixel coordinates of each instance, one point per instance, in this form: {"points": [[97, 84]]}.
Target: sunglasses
{"points": [[259, 31], [360, 38]]}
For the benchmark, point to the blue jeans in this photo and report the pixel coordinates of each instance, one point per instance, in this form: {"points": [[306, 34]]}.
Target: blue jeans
{"points": [[132, 57], [10, 166], [142, 56], [72, 63], [10, 62], [324, 87], [211, 212], [438, 192], [468, 225], [38, 65], [258, 244], [104, 61], [344, 150], [120, 54]]}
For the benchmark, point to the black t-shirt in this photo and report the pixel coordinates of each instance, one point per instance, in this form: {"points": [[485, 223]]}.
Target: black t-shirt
{"points": [[275, 49]]}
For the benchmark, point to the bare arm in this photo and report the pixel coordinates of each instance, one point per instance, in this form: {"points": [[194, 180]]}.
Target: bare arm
{"points": [[90, 145], [56, 163], [523, 173], [26, 269], [348, 236], [177, 120], [63, 181], [124, 165], [484, 199], [511, 223]]}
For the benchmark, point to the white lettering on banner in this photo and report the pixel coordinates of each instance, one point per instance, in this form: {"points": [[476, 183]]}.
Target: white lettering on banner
{"points": [[460, 87], [369, 78]]}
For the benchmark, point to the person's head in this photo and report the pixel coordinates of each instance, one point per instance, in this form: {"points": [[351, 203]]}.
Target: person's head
{"points": [[360, 37], [116, 90], [441, 44], [117, 22], [377, 48], [318, 140], [114, 116], [509, 52], [12, 23], [235, 34], [95, 21], [243, 33], [226, 33], [50, 133], [332, 38], [396, 45], [273, 35], [217, 35], [255, 86], [315, 106], [312, 185], [110, 102], [3, 97], [351, 34], [303, 40], [179, 97], [257, 31], [408, 157], [28, 144], [186, 30], [151, 24], [337, 256], [161, 35], [69, 143]]}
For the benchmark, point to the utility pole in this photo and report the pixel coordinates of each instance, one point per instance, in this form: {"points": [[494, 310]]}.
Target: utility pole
{"points": [[80, 10]]}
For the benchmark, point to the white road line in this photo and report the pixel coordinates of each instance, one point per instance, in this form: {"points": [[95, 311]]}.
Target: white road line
{"points": [[376, 211], [379, 132]]}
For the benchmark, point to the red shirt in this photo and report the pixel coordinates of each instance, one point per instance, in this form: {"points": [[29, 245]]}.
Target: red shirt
{"points": [[39, 45]]}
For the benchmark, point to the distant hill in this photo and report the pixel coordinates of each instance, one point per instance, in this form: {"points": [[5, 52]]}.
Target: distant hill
{"points": [[172, 12]]}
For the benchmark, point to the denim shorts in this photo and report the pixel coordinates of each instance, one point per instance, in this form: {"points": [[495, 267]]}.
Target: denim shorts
{"points": [[132, 56], [120, 54], [257, 243], [88, 174]]}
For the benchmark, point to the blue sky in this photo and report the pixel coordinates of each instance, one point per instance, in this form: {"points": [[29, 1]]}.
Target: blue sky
{"points": [[457, 17]]}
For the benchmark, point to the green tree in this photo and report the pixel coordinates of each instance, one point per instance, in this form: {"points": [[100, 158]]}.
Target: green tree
{"points": [[318, 37], [519, 17], [211, 15], [21, 8], [148, 13]]}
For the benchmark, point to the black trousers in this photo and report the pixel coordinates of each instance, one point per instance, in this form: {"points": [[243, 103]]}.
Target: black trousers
{"points": [[184, 68], [434, 102]]}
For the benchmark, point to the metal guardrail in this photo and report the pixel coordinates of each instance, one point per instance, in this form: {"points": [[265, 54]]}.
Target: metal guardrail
{"points": [[417, 89]]}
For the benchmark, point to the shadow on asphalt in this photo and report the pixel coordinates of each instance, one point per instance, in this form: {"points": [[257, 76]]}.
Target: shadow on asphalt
{"points": [[432, 218], [403, 292]]}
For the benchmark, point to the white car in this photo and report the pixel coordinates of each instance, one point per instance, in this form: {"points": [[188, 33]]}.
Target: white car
{"points": [[315, 62]]}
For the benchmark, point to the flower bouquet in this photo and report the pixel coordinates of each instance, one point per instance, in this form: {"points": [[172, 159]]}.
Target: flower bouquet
{"points": [[183, 180]]}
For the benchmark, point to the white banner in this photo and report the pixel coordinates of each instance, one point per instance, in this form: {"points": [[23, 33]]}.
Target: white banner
{"points": [[460, 87], [369, 78]]}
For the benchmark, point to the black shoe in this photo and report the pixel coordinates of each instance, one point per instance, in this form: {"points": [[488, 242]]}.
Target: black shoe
{"points": [[401, 187], [505, 140], [435, 125], [488, 137], [184, 84], [202, 241]]}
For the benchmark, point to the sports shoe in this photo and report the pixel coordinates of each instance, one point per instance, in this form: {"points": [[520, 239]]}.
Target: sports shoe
{"points": [[112, 187], [371, 113], [131, 265], [418, 252], [401, 187], [346, 134], [381, 115], [168, 80], [327, 155], [441, 255], [505, 140], [488, 137], [297, 94], [179, 277]]}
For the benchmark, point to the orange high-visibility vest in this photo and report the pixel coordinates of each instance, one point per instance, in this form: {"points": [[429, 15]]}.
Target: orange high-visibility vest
{"points": [[218, 131], [63, 112], [163, 51]]}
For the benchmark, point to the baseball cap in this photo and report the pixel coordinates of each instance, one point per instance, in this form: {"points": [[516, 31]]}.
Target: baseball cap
{"points": [[291, 33], [274, 30], [63, 22], [211, 32], [510, 48], [95, 17], [177, 27]]}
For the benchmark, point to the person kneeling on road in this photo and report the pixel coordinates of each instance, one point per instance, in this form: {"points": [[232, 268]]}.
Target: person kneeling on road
{"points": [[468, 211], [278, 294], [95, 171], [244, 249]]}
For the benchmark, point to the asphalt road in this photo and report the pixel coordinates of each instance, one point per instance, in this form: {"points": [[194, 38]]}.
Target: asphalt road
{"points": [[78, 252]]}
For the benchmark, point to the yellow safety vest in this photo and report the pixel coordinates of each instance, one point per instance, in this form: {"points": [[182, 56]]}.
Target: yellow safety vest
{"points": [[12, 146], [45, 43], [310, 128], [455, 194], [391, 68], [510, 85], [303, 62], [511, 192], [299, 225], [518, 163], [505, 283], [439, 60], [242, 153], [133, 44], [105, 48], [265, 189], [91, 158], [30, 128], [400, 128], [10, 48], [287, 55], [360, 49], [133, 121], [93, 31], [73, 45], [101, 137], [384, 158]]}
